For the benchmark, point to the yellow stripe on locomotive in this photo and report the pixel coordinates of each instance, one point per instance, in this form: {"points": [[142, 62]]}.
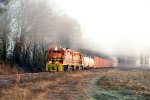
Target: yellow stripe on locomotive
{"points": [[54, 67]]}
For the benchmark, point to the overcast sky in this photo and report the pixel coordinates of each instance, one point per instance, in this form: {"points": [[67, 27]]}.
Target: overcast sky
{"points": [[112, 25]]}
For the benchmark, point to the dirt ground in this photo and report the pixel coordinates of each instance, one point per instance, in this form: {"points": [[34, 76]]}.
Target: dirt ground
{"points": [[100, 84]]}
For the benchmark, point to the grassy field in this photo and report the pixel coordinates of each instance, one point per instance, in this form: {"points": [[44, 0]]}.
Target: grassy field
{"points": [[82, 85], [121, 84], [7, 70], [60, 86]]}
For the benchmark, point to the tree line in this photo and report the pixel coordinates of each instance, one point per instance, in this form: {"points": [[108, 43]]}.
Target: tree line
{"points": [[29, 27]]}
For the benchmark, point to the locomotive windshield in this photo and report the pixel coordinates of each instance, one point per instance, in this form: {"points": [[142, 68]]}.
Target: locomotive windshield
{"points": [[55, 55], [56, 51]]}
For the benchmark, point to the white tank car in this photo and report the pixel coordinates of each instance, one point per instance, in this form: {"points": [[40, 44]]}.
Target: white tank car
{"points": [[85, 61], [91, 62], [88, 62]]}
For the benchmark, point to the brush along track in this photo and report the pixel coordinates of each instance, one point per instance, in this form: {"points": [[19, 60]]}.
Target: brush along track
{"points": [[14, 78], [9, 79], [31, 76]]}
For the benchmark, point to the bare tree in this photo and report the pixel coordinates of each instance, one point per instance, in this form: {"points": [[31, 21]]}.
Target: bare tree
{"points": [[35, 25], [4, 29]]}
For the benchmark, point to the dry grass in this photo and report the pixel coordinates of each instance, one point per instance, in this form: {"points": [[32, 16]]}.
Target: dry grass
{"points": [[14, 93], [7, 70], [60, 86], [71, 85], [34, 90], [137, 81]]}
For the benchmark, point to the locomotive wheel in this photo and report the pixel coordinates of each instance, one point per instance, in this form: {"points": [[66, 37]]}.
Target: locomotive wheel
{"points": [[66, 68], [77, 67], [72, 68]]}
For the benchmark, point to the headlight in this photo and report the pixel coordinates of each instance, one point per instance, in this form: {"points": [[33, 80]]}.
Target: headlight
{"points": [[55, 48]]}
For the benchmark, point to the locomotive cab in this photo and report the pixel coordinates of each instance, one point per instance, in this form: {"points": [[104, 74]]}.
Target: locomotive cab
{"points": [[55, 59]]}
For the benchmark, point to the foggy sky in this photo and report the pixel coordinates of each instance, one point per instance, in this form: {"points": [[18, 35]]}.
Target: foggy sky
{"points": [[112, 26]]}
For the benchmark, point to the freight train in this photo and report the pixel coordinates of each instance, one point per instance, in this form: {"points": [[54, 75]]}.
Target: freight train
{"points": [[64, 59]]}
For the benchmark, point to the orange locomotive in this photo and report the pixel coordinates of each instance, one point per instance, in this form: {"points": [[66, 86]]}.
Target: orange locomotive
{"points": [[63, 59]]}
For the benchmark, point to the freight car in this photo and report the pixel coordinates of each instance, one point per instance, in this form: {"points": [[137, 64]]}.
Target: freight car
{"points": [[64, 59]]}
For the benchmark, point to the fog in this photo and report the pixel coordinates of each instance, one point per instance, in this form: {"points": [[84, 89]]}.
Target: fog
{"points": [[110, 27], [113, 27]]}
